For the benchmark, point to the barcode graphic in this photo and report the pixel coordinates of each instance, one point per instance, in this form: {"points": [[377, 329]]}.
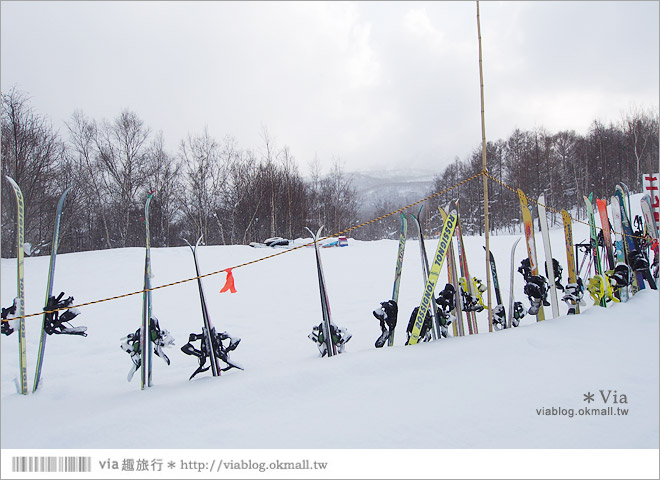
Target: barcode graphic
{"points": [[51, 464]]}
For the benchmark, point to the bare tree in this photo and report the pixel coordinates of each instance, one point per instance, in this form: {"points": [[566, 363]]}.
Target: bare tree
{"points": [[163, 178], [82, 148], [641, 129], [122, 150], [204, 173], [338, 199], [32, 155]]}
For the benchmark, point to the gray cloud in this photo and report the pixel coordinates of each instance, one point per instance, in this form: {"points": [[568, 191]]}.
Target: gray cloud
{"points": [[379, 85]]}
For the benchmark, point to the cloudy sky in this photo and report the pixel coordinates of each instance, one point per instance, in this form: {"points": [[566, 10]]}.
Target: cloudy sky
{"points": [[378, 85]]}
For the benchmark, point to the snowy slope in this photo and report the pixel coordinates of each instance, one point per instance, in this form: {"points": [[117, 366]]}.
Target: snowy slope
{"points": [[484, 391]]}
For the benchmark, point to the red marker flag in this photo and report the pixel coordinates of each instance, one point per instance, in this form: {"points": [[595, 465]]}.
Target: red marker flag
{"points": [[229, 283]]}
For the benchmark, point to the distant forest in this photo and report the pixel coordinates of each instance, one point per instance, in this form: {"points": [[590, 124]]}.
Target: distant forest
{"points": [[232, 195]]}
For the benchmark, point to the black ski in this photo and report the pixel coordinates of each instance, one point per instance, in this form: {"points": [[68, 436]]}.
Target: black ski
{"points": [[207, 330], [330, 347], [499, 315]]}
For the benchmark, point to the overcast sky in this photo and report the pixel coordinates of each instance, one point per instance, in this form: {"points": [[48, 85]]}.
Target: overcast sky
{"points": [[379, 85]]}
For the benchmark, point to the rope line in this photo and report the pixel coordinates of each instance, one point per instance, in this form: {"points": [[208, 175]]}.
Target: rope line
{"points": [[483, 172]]}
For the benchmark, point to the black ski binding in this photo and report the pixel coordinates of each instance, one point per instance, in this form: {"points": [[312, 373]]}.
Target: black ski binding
{"points": [[573, 294], [471, 302], [620, 276], [387, 315], [447, 298], [536, 290], [447, 304], [8, 313], [518, 313], [159, 339], [525, 269], [425, 332], [221, 351], [558, 273], [54, 323], [499, 317], [340, 336]]}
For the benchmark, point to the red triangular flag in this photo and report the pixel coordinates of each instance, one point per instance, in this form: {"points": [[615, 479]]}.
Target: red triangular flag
{"points": [[229, 283]]}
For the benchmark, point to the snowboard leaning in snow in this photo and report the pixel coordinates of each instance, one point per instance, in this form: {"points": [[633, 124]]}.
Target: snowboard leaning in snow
{"points": [[629, 247], [634, 255], [597, 283], [574, 289], [624, 278], [528, 226], [652, 231], [601, 205], [19, 302], [397, 271], [549, 267], [428, 298]]}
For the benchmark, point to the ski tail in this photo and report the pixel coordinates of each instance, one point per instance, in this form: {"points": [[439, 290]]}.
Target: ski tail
{"points": [[20, 284], [435, 329], [145, 339], [428, 297], [465, 272], [498, 312], [49, 288], [511, 284], [208, 329], [452, 277], [331, 348], [399, 266]]}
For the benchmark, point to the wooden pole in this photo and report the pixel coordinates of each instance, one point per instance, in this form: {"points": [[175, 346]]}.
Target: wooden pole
{"points": [[484, 167]]}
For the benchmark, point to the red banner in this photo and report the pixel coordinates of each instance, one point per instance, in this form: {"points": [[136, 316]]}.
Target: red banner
{"points": [[651, 183]]}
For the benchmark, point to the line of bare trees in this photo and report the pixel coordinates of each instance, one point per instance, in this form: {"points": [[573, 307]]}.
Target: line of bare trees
{"points": [[208, 187], [564, 166], [232, 195]]}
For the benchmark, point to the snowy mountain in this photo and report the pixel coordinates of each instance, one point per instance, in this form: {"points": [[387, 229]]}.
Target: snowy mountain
{"points": [[588, 381], [397, 187]]}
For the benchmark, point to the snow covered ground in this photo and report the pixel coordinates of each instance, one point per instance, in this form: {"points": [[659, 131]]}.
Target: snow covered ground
{"points": [[523, 388]]}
